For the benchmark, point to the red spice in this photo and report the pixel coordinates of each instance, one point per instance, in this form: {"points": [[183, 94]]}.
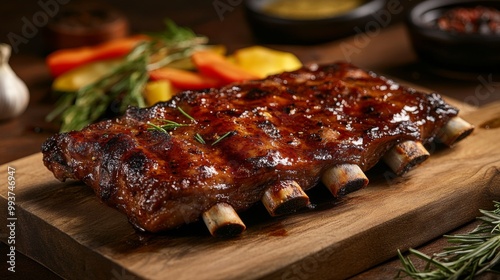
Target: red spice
{"points": [[478, 19]]}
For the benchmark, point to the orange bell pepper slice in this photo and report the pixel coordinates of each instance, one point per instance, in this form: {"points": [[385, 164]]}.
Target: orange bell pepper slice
{"points": [[183, 79], [62, 61], [217, 66]]}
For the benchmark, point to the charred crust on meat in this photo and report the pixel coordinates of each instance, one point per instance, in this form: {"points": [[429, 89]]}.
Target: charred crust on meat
{"points": [[269, 129], [53, 148], [256, 93], [136, 161]]}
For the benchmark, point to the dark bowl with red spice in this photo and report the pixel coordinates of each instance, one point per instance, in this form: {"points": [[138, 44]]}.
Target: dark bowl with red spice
{"points": [[457, 35]]}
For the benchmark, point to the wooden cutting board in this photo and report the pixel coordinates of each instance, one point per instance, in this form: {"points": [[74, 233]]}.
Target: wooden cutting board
{"points": [[65, 227]]}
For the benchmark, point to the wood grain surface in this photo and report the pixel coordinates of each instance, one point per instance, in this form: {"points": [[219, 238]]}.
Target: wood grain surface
{"points": [[65, 227]]}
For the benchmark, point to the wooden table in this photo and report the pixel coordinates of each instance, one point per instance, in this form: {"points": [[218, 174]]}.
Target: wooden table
{"points": [[387, 51]]}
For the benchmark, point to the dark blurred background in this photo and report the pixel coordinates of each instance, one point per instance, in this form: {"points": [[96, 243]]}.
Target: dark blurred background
{"points": [[220, 20], [386, 50], [143, 16]]}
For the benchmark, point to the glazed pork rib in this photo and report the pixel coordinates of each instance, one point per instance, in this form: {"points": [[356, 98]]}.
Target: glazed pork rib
{"points": [[215, 152]]}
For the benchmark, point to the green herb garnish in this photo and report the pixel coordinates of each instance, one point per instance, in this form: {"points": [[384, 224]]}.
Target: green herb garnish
{"points": [[200, 139], [156, 127], [170, 125], [174, 33], [223, 136], [123, 87], [473, 253], [185, 114]]}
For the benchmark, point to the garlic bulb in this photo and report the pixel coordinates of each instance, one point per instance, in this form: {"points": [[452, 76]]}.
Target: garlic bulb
{"points": [[14, 95]]}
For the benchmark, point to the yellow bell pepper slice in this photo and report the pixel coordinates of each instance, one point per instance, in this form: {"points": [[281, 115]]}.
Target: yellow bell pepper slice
{"points": [[263, 61], [158, 91], [84, 75]]}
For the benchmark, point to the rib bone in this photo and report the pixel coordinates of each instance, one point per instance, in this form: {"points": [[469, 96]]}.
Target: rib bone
{"points": [[223, 221], [284, 197], [403, 156], [344, 178], [455, 130]]}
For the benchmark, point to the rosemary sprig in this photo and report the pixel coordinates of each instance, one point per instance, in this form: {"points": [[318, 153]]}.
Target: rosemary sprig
{"points": [[200, 139], [124, 85], [156, 127], [473, 253], [170, 125], [174, 33], [223, 136], [185, 114]]}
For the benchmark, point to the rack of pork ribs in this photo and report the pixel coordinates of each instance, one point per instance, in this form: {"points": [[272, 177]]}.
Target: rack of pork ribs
{"points": [[215, 152]]}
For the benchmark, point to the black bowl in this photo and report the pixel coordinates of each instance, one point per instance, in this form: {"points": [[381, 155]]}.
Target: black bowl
{"points": [[274, 29], [461, 52]]}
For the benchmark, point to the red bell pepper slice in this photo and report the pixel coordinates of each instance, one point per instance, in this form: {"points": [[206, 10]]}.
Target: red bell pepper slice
{"points": [[183, 79], [64, 60], [217, 66]]}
